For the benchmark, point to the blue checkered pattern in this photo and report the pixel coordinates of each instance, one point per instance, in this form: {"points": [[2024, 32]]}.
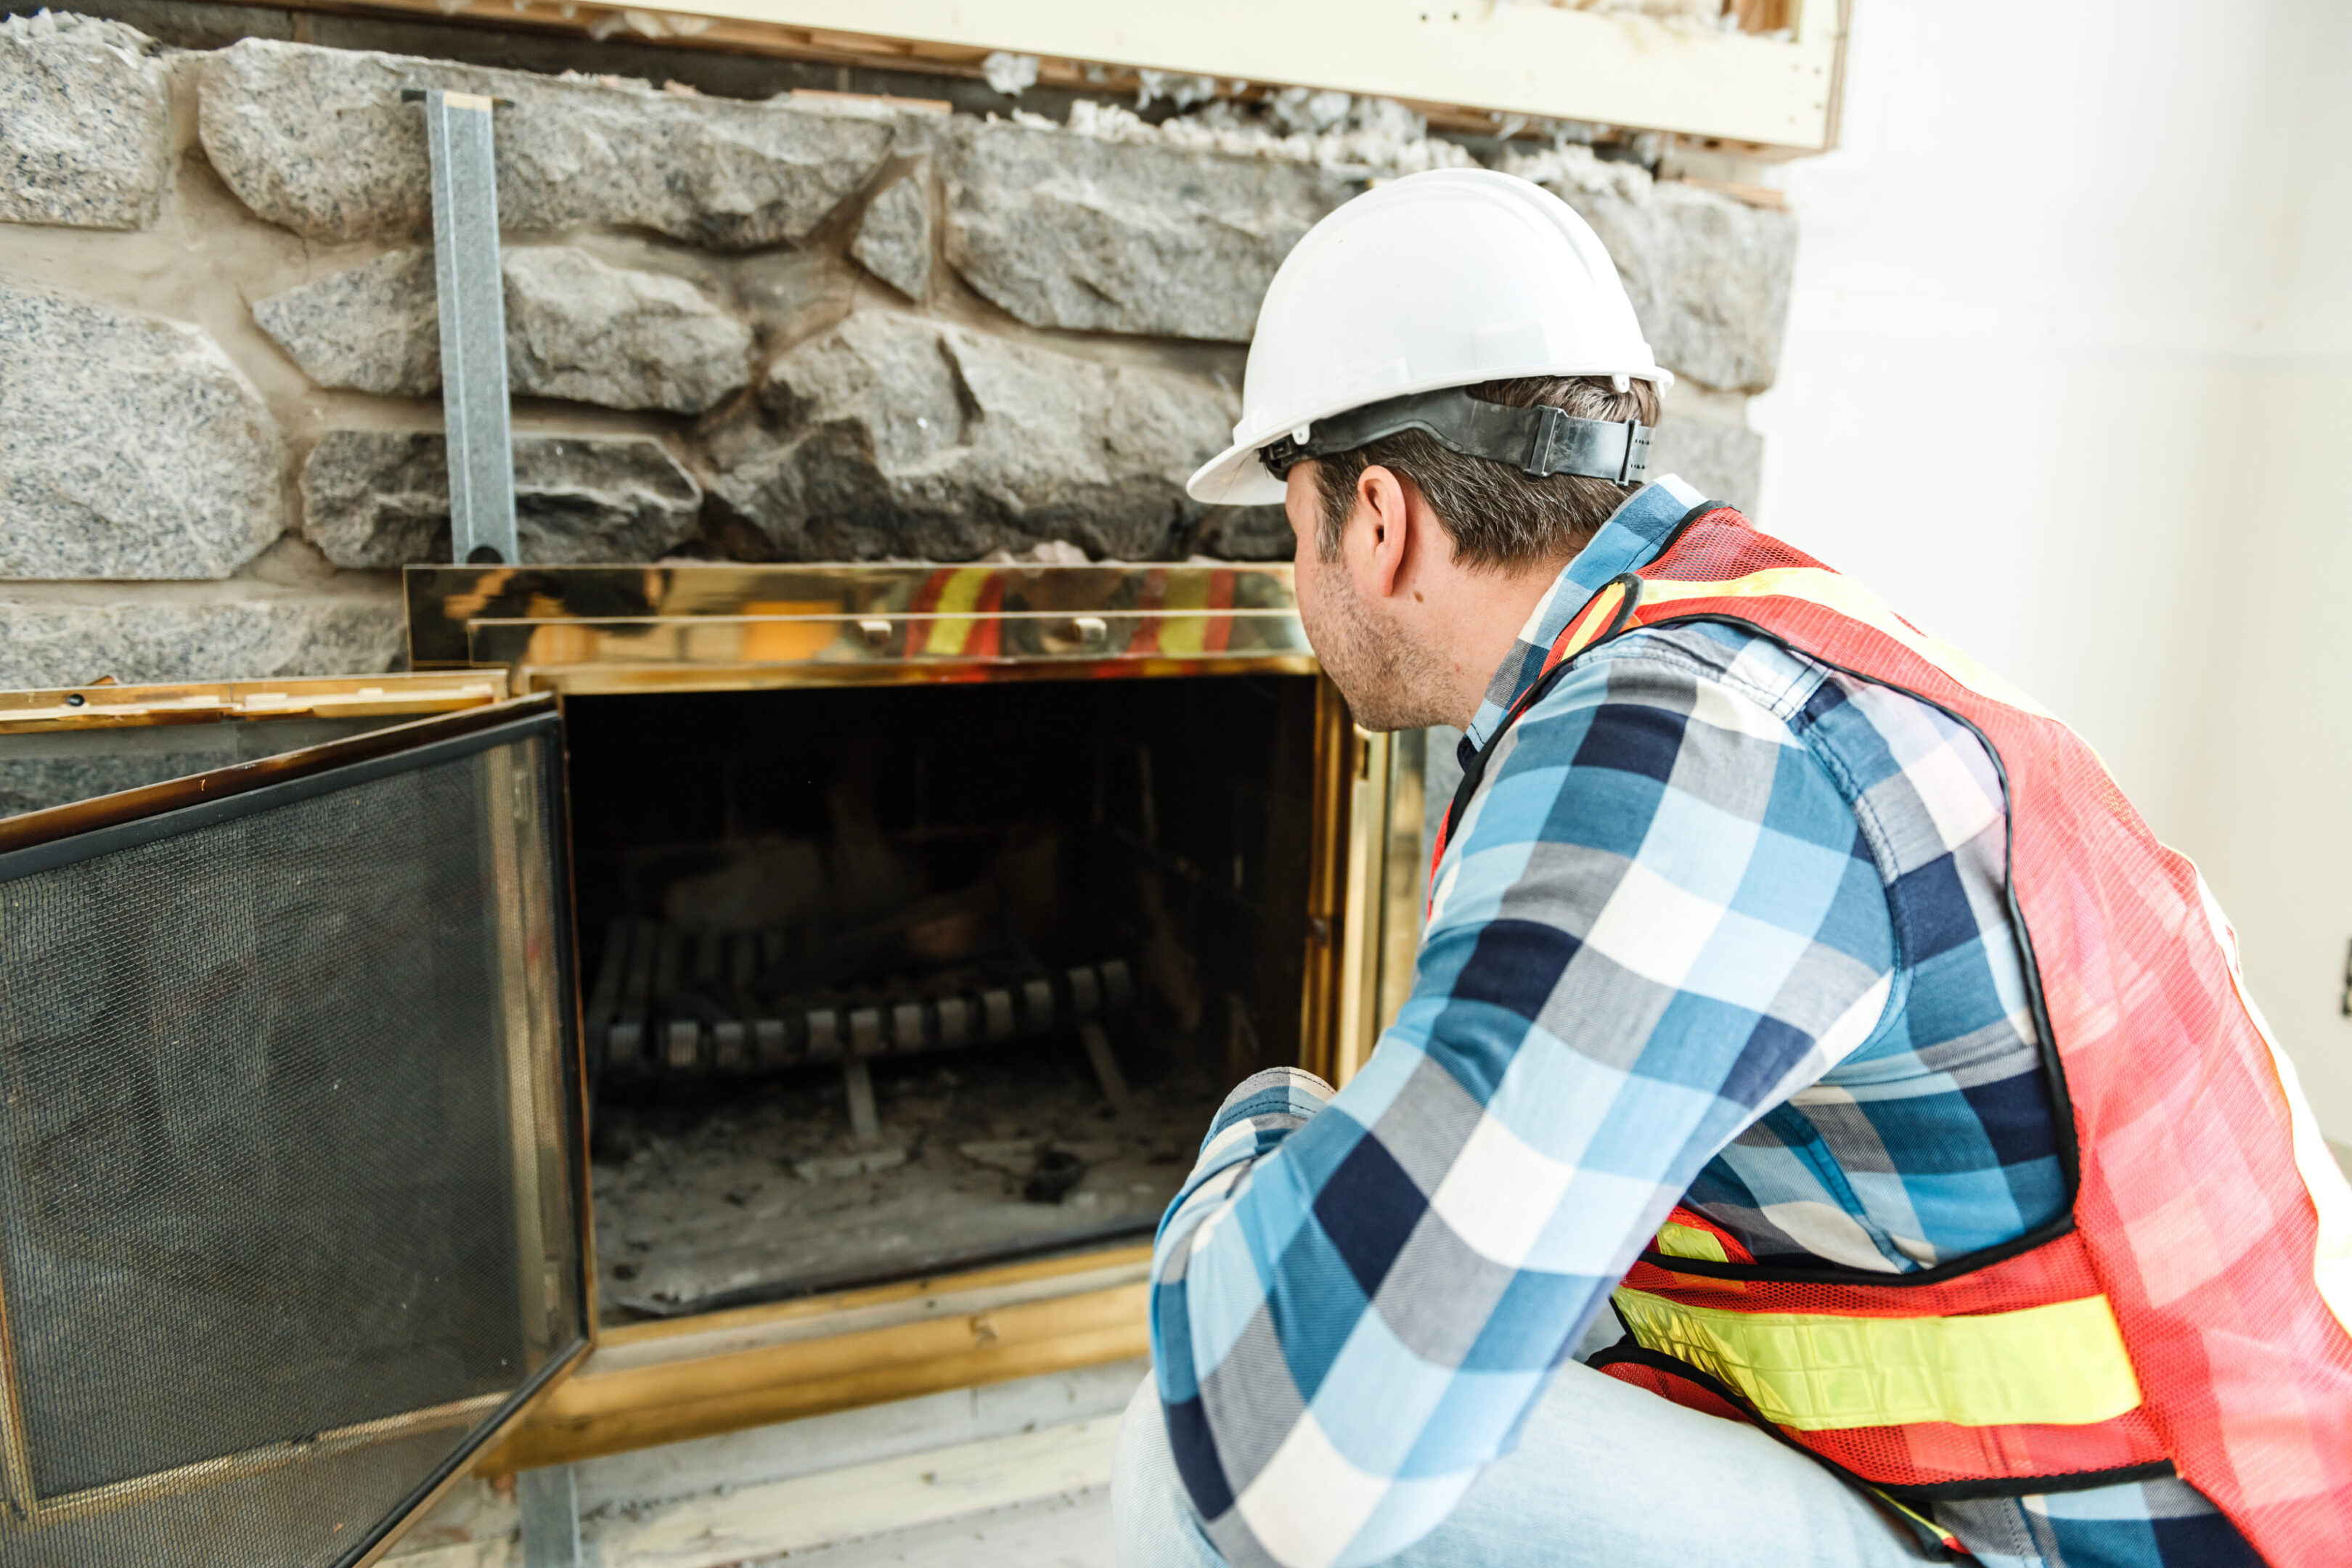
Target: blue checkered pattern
{"points": [[1720, 922]]}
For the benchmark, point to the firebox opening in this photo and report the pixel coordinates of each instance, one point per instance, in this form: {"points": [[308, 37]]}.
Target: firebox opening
{"points": [[888, 981]]}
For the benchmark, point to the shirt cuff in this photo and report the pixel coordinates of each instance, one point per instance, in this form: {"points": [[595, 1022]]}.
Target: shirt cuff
{"points": [[1263, 1108]]}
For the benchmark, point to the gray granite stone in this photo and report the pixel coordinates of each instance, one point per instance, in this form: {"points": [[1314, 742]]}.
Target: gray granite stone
{"points": [[380, 497], [1708, 277], [579, 329], [1721, 460], [84, 123], [318, 140], [896, 436], [1068, 231], [130, 445], [894, 236], [1246, 533], [374, 328], [56, 639], [576, 328]]}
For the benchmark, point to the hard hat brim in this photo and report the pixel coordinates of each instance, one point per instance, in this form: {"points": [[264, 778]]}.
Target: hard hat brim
{"points": [[1236, 477]]}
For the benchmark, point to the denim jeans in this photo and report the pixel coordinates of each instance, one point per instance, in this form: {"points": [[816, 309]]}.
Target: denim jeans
{"points": [[1604, 1474]]}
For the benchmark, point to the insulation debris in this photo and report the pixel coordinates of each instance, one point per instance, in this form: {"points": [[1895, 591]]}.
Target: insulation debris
{"points": [[1178, 88], [1010, 74], [125, 42], [1707, 14], [1373, 138], [1579, 168]]}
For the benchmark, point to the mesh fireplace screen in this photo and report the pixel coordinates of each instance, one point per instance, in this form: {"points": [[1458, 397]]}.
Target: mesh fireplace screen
{"points": [[287, 1218]]}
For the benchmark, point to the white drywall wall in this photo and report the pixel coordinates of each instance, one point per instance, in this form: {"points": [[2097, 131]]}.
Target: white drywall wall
{"points": [[2271, 813], [2068, 261]]}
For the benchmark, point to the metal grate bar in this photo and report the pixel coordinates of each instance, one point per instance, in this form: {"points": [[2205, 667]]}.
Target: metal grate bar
{"points": [[659, 1007]]}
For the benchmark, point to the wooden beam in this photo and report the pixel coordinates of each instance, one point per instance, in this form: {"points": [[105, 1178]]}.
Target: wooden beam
{"points": [[1462, 62], [665, 1383]]}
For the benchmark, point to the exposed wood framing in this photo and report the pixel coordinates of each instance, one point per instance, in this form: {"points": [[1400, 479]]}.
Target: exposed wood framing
{"points": [[1771, 90]]}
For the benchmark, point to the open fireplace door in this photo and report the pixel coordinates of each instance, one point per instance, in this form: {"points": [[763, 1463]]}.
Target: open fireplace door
{"points": [[290, 1153]]}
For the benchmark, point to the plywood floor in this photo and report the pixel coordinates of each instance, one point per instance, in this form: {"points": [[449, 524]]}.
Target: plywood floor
{"points": [[1068, 1530], [1016, 1473]]}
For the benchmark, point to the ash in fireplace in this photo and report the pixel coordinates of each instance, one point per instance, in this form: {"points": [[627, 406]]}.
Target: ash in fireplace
{"points": [[765, 1192]]}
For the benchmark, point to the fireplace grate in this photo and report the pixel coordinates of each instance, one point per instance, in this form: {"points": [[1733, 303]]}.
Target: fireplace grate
{"points": [[678, 1003]]}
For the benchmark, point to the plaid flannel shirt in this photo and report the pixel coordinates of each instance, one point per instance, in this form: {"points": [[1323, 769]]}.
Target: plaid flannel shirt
{"points": [[1720, 922]]}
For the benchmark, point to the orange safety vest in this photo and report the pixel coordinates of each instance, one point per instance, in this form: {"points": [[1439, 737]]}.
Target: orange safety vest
{"points": [[2190, 1313]]}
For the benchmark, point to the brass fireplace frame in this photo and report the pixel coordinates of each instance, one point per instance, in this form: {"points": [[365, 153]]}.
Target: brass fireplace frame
{"points": [[719, 626], [698, 627], [480, 636]]}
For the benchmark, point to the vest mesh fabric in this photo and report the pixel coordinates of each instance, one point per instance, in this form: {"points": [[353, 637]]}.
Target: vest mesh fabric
{"points": [[2191, 1215]]}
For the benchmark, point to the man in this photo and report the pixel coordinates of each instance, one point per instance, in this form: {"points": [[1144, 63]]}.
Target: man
{"points": [[1790, 985]]}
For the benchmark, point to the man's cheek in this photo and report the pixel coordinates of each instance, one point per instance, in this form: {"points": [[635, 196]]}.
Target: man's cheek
{"points": [[1298, 509], [1303, 586]]}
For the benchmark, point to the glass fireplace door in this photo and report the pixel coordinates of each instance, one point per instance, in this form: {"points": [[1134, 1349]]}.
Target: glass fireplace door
{"points": [[290, 1211]]}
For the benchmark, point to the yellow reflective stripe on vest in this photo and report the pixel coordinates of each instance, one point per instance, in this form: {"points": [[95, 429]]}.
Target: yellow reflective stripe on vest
{"points": [[2062, 1364], [1593, 619], [1689, 1241]]}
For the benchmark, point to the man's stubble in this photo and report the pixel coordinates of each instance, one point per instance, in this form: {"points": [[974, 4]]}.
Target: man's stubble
{"points": [[1391, 680]]}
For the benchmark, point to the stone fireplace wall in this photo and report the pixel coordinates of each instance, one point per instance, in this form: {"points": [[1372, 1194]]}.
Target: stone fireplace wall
{"points": [[797, 328]]}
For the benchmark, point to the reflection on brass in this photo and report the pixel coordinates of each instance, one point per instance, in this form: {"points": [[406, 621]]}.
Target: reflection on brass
{"points": [[1326, 885], [511, 821], [1381, 931], [1404, 874], [719, 626], [1360, 956], [214, 701]]}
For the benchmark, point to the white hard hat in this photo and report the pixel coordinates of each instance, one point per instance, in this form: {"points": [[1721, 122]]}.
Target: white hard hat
{"points": [[1439, 280]]}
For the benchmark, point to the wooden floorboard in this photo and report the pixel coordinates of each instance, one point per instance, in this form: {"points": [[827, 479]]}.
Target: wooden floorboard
{"points": [[861, 1501], [1070, 1530], [1007, 1473]]}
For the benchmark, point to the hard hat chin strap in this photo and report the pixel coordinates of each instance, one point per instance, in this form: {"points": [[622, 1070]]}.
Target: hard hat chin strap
{"points": [[1539, 442]]}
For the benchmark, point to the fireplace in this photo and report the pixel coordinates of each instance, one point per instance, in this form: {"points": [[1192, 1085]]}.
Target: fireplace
{"points": [[879, 938], [886, 982]]}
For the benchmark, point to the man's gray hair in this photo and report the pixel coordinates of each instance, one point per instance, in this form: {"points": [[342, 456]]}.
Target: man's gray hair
{"points": [[1496, 515]]}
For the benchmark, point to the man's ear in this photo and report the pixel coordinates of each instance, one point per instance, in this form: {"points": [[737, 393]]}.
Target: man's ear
{"points": [[1384, 517]]}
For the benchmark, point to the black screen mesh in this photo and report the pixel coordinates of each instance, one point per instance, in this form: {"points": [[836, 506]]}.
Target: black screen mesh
{"points": [[283, 1208]]}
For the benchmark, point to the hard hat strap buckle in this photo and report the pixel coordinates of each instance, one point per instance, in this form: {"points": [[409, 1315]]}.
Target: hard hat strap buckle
{"points": [[1590, 448]]}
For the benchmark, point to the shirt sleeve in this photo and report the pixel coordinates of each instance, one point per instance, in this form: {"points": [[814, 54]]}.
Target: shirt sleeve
{"points": [[1657, 922]]}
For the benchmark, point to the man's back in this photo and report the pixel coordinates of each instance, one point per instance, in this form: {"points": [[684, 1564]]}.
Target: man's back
{"points": [[1934, 1137], [1720, 920], [1754, 899]]}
